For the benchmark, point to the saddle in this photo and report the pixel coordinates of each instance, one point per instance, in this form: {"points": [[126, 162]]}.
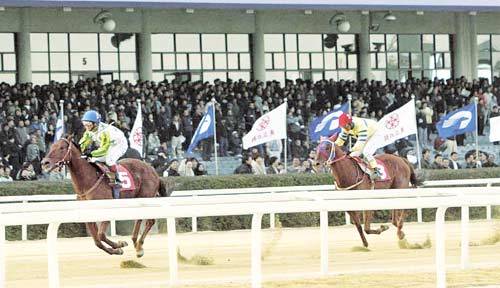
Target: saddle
{"points": [[126, 179], [365, 167]]}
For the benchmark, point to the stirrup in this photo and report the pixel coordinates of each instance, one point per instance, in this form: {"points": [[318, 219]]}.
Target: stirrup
{"points": [[376, 175]]}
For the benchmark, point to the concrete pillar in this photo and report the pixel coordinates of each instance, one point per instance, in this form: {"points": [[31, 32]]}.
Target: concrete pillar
{"points": [[473, 44], [461, 61], [145, 54], [258, 55], [364, 47], [23, 48]]}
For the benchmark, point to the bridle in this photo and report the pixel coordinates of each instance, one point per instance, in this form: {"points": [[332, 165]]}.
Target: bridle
{"points": [[63, 161], [331, 160]]}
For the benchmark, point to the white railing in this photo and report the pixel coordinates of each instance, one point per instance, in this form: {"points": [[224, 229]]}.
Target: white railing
{"points": [[295, 202], [212, 192]]}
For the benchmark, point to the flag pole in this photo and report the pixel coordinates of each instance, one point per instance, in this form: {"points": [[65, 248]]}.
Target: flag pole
{"points": [[215, 138], [139, 109], [416, 135], [286, 138], [61, 114], [349, 111], [477, 132]]}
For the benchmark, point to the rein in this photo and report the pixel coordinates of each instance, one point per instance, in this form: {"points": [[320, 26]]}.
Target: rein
{"points": [[331, 160], [64, 162]]}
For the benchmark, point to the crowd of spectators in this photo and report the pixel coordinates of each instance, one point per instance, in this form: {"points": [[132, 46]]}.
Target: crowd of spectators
{"points": [[172, 111]]}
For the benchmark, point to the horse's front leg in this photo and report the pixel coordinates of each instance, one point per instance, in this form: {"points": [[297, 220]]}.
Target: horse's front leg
{"points": [[92, 228], [367, 218], [138, 245], [101, 233], [355, 219]]}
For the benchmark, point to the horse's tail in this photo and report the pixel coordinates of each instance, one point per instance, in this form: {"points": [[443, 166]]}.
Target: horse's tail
{"points": [[414, 179], [165, 189]]}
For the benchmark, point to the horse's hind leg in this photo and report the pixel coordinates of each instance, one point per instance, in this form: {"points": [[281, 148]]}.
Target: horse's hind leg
{"points": [[355, 219], [399, 222], [135, 232], [102, 235], [92, 228], [367, 219], [138, 246]]}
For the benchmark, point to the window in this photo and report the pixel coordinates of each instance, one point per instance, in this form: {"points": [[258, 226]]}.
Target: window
{"points": [[58, 56], [8, 66], [310, 56], [488, 46], [410, 55], [209, 56]]}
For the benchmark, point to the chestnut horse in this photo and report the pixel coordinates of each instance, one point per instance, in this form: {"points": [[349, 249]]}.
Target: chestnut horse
{"points": [[348, 175], [90, 183]]}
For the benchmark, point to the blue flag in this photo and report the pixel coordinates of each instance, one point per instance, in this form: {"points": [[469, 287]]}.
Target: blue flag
{"points": [[59, 127], [458, 122], [327, 125], [205, 128]]}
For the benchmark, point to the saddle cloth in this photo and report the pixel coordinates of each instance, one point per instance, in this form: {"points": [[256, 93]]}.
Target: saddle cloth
{"points": [[126, 179], [367, 170]]}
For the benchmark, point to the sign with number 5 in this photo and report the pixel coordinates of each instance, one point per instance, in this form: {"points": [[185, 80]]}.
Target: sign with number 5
{"points": [[125, 179]]}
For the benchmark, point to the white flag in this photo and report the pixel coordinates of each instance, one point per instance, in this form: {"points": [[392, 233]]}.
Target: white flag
{"points": [[393, 126], [136, 135], [59, 126], [495, 129], [270, 126]]}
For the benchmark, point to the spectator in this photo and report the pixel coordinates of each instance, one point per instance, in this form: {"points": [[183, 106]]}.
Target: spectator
{"points": [[177, 137], [4, 177], [453, 163], [275, 166], [296, 166], [306, 167], [186, 168], [426, 159], [438, 162], [27, 172], [258, 167], [153, 143], [274, 148], [246, 166], [172, 169], [489, 161], [470, 161]]}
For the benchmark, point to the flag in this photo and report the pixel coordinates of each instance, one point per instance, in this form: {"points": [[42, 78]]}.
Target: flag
{"points": [[205, 128], [59, 126], [270, 126], [393, 126], [458, 122], [495, 129], [327, 125], [136, 137]]}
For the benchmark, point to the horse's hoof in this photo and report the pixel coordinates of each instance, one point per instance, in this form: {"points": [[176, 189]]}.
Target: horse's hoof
{"points": [[401, 235], [122, 243], [140, 253], [383, 228], [119, 251]]}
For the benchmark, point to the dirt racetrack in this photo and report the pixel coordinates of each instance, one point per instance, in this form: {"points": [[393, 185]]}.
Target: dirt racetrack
{"points": [[291, 258]]}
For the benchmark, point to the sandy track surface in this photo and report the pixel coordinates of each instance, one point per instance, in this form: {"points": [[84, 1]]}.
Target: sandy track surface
{"points": [[288, 254]]}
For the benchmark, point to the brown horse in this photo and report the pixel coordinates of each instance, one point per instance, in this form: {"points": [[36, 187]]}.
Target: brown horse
{"points": [[349, 175], [90, 183]]}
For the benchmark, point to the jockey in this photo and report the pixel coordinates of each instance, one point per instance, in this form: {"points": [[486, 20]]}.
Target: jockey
{"points": [[104, 142], [362, 129]]}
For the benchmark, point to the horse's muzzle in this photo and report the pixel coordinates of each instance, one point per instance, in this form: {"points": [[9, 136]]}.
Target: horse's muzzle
{"points": [[47, 166]]}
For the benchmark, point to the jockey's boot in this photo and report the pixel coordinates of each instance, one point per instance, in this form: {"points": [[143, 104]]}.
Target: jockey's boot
{"points": [[112, 177], [377, 174]]}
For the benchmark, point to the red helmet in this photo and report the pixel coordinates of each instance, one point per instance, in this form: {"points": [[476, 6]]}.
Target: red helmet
{"points": [[344, 119]]}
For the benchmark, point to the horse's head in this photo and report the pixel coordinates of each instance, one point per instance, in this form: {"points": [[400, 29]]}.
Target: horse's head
{"points": [[327, 150], [59, 155]]}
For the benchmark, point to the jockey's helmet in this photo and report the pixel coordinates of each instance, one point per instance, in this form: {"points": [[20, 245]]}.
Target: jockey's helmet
{"points": [[91, 116], [345, 119]]}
